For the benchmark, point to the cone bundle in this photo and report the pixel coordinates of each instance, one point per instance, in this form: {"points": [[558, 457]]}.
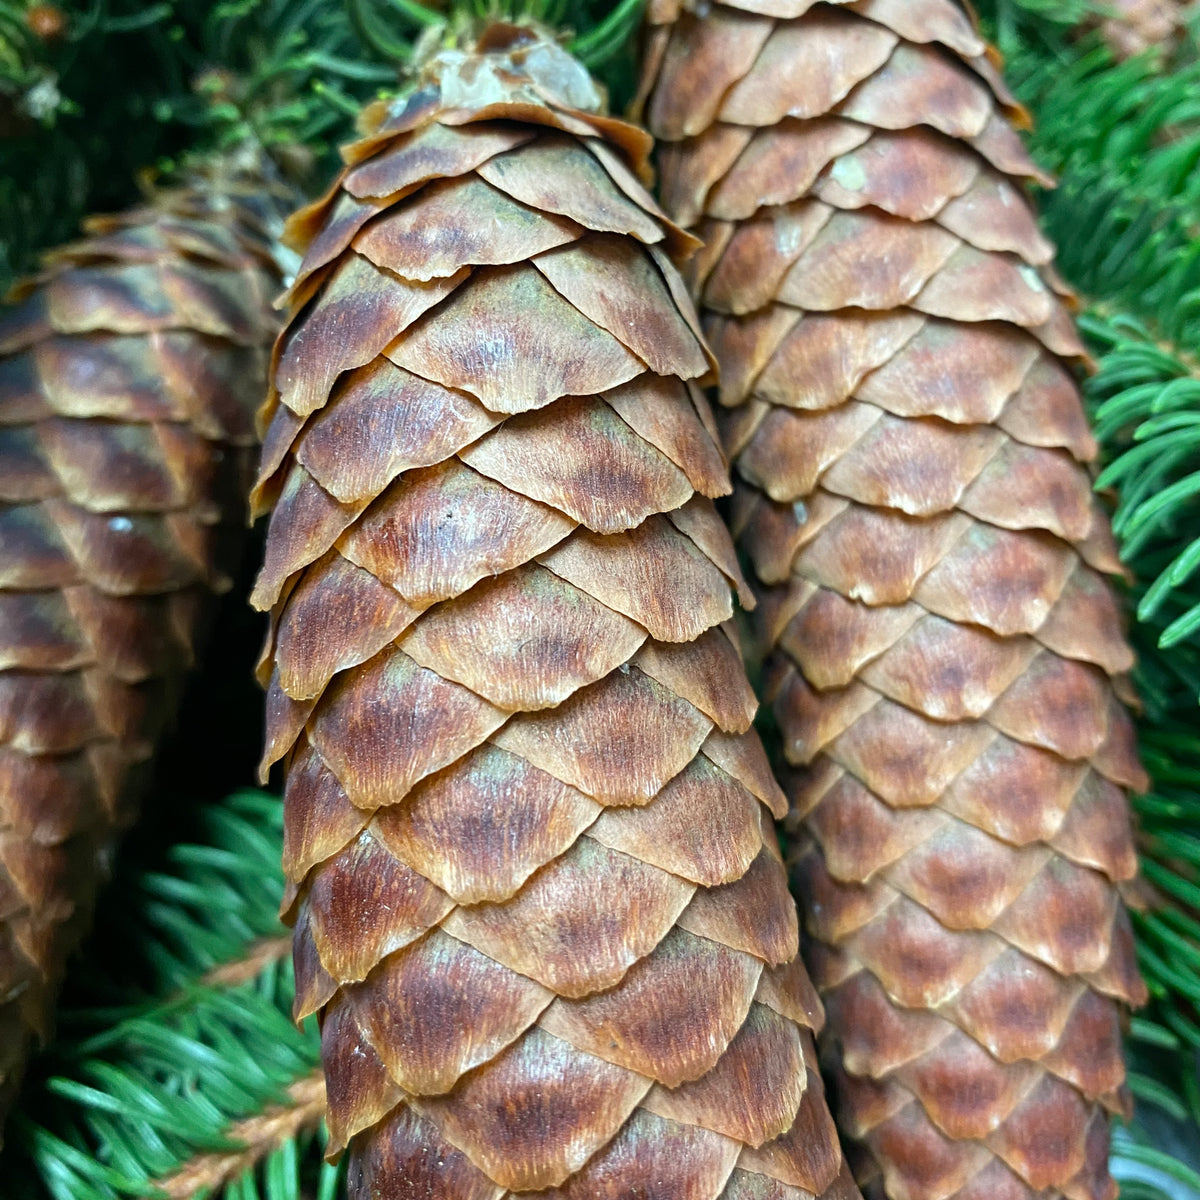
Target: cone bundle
{"points": [[945, 657], [537, 894], [129, 373]]}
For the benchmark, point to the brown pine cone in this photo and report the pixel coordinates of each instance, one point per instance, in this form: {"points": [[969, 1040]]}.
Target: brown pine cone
{"points": [[945, 659], [129, 373], [537, 892]]}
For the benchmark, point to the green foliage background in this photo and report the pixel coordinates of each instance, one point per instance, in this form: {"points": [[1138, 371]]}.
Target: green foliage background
{"points": [[155, 1059], [129, 87]]}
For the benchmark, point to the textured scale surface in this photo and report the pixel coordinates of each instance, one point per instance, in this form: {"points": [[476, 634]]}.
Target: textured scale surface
{"points": [[943, 653], [129, 373], [537, 893]]}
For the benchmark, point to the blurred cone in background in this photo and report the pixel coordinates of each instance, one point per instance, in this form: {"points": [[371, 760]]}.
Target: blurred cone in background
{"points": [[129, 373], [536, 889], [946, 661], [1136, 26]]}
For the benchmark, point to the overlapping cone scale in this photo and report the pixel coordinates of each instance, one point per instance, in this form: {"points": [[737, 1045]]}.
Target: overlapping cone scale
{"points": [[537, 894], [944, 655], [130, 369]]}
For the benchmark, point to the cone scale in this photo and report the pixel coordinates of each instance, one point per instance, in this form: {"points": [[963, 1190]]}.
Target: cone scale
{"points": [[945, 658], [128, 377], [537, 895]]}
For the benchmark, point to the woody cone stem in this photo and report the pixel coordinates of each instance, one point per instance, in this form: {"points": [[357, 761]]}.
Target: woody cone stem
{"points": [[129, 372], [945, 658], [537, 894]]}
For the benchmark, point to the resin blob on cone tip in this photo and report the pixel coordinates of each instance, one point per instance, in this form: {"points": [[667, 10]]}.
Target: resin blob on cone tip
{"points": [[537, 894], [130, 369], [945, 658]]}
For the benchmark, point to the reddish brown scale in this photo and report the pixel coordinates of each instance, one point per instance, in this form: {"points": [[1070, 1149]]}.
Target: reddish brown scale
{"points": [[537, 892], [943, 653], [128, 377]]}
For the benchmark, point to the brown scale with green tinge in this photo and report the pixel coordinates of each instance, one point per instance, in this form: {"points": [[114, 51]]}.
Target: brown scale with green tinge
{"points": [[537, 894], [945, 658], [129, 373]]}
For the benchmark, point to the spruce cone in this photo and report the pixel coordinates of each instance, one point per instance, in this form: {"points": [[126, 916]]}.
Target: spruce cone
{"points": [[129, 373], [537, 894], [945, 658]]}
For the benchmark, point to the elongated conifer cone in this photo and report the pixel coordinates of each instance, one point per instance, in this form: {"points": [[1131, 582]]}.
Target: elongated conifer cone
{"points": [[130, 369], [945, 655], [537, 893]]}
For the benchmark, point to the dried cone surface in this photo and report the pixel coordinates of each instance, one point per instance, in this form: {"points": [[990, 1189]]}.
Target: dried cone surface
{"points": [[946, 659], [537, 894], [128, 377]]}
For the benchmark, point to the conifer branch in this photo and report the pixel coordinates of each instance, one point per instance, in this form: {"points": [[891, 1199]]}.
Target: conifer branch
{"points": [[258, 956], [1124, 138], [1146, 407], [205, 1078], [193, 75], [257, 1135]]}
